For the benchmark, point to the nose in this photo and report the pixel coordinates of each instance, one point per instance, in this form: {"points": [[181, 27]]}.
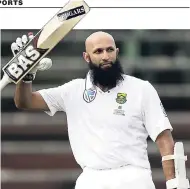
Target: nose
{"points": [[105, 56]]}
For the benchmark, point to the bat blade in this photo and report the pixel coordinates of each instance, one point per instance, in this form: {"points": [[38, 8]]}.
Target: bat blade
{"points": [[66, 18], [45, 40]]}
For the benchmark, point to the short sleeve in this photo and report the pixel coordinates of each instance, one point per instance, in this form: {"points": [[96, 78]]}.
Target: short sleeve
{"points": [[55, 98], [154, 115]]}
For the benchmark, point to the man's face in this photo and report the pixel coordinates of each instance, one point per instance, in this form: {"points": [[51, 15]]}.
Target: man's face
{"points": [[102, 53], [101, 56]]}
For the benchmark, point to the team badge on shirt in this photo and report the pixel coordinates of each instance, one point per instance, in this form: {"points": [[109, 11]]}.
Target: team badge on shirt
{"points": [[89, 95], [119, 111], [121, 98]]}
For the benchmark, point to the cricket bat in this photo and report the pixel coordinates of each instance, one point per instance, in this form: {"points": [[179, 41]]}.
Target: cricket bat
{"points": [[44, 41]]}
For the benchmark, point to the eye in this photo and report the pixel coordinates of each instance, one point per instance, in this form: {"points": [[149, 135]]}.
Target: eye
{"points": [[98, 51], [110, 49]]}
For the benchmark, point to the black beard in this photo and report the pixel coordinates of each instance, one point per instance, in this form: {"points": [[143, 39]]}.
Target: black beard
{"points": [[108, 77]]}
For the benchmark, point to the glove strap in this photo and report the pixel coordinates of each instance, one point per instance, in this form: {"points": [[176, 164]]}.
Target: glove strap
{"points": [[28, 78]]}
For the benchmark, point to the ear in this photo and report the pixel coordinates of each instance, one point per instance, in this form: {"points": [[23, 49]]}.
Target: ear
{"points": [[86, 57], [117, 51]]}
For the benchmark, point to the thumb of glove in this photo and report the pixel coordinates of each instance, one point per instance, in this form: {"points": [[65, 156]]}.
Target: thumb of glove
{"points": [[44, 64]]}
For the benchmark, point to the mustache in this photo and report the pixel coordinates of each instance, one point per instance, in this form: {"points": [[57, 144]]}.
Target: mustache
{"points": [[105, 63]]}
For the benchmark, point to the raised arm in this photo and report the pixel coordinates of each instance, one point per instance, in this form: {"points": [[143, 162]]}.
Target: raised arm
{"points": [[26, 99]]}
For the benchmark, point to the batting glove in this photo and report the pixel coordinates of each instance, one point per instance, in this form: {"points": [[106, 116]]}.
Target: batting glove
{"points": [[43, 65]]}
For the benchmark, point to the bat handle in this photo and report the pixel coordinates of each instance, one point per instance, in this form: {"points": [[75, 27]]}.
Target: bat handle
{"points": [[4, 82]]}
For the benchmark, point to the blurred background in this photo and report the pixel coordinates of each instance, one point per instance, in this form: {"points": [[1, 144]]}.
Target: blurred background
{"points": [[36, 153]]}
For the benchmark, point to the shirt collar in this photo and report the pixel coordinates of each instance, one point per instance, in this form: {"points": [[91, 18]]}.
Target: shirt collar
{"points": [[89, 84], [90, 90]]}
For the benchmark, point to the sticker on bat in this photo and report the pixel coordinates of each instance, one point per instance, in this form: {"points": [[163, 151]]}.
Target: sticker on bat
{"points": [[23, 62], [72, 13]]}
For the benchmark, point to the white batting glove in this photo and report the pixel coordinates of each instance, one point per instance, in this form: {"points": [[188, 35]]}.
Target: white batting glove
{"points": [[43, 65]]}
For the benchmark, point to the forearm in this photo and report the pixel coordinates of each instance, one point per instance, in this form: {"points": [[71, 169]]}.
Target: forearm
{"points": [[23, 95], [166, 147], [168, 166]]}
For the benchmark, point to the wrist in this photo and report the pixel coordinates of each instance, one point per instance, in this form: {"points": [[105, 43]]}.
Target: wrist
{"points": [[170, 177], [28, 78]]}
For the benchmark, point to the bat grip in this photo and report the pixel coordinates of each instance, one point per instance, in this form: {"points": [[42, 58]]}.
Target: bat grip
{"points": [[4, 82]]}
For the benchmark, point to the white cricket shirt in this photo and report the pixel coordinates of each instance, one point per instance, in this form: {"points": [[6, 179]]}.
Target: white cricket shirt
{"points": [[109, 129]]}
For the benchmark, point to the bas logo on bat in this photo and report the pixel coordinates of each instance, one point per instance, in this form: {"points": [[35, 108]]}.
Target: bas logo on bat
{"points": [[30, 55], [23, 62], [44, 41], [71, 13]]}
